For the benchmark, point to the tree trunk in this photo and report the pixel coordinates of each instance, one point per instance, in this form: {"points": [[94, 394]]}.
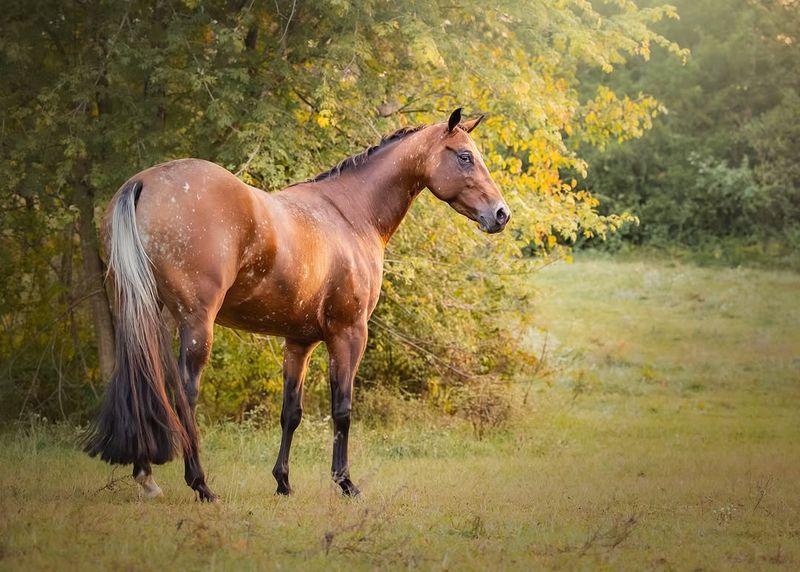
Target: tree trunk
{"points": [[93, 271]]}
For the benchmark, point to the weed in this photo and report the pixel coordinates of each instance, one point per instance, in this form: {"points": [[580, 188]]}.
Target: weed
{"points": [[725, 514]]}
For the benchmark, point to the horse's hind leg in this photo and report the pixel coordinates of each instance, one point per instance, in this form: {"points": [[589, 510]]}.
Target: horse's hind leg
{"points": [[196, 335], [295, 364], [143, 475]]}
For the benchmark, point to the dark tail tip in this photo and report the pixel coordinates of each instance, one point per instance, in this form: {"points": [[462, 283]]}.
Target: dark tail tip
{"points": [[134, 424]]}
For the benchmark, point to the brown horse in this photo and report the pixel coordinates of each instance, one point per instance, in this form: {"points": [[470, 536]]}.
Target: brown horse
{"points": [[304, 263]]}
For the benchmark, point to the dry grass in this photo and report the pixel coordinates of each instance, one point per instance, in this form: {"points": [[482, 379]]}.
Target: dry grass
{"points": [[663, 434]]}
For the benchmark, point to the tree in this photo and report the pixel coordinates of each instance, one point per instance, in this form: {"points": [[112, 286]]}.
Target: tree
{"points": [[721, 164], [279, 91]]}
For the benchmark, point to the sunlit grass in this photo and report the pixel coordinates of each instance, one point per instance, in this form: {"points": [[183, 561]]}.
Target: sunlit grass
{"points": [[661, 433]]}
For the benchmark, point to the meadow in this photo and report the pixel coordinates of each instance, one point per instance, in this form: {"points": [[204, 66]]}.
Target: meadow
{"points": [[659, 431]]}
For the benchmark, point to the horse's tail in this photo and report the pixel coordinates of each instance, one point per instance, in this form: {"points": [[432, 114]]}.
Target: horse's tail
{"points": [[144, 412]]}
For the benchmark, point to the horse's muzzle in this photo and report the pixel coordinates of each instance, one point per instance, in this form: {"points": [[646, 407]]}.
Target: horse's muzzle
{"points": [[495, 220]]}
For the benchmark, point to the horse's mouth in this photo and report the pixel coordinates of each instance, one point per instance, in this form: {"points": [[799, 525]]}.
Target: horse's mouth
{"points": [[494, 229]]}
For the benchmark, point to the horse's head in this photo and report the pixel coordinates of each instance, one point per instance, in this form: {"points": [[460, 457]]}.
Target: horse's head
{"points": [[456, 174]]}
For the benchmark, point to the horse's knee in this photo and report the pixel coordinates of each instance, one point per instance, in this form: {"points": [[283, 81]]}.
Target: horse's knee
{"points": [[292, 417], [341, 415]]}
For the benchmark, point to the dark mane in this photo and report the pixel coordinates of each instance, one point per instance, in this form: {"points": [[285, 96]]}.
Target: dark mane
{"points": [[361, 158]]}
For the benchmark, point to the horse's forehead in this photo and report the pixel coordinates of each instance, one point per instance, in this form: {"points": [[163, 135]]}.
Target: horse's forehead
{"points": [[464, 138], [459, 137]]}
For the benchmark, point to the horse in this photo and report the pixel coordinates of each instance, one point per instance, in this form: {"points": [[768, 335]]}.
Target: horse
{"points": [[304, 263]]}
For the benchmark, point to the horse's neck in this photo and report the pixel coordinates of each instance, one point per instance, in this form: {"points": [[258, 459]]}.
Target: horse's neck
{"points": [[380, 192]]}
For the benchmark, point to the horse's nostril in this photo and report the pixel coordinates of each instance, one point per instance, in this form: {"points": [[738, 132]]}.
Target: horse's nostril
{"points": [[502, 216]]}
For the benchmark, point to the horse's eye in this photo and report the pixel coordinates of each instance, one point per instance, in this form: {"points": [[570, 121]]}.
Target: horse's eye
{"points": [[465, 158]]}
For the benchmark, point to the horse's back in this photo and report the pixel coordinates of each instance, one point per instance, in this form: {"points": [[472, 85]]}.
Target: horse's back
{"points": [[180, 192], [282, 263]]}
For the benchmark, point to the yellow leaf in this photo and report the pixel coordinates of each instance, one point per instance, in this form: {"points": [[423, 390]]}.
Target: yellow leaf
{"points": [[324, 118]]}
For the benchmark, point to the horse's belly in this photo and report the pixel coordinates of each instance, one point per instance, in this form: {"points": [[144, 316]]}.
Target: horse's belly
{"points": [[275, 314]]}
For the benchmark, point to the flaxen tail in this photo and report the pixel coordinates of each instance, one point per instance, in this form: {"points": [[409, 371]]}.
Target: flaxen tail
{"points": [[144, 411]]}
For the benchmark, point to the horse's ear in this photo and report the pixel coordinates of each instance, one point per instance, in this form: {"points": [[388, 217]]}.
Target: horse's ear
{"points": [[470, 125], [455, 119]]}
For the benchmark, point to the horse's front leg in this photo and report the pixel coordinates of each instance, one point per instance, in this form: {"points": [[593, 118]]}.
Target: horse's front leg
{"points": [[346, 347], [295, 363]]}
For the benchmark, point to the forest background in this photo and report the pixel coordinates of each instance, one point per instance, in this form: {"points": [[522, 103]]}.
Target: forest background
{"points": [[610, 125]]}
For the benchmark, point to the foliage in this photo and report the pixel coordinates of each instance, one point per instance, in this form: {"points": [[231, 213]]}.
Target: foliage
{"points": [[721, 164], [718, 200], [276, 92]]}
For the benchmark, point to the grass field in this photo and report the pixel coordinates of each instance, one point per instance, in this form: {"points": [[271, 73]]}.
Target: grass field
{"points": [[662, 433]]}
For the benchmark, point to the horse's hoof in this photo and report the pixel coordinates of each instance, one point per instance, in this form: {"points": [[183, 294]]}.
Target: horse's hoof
{"points": [[204, 494], [284, 491], [148, 488], [349, 490]]}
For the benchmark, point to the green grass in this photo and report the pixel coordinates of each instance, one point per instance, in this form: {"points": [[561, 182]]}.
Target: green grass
{"points": [[661, 432]]}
